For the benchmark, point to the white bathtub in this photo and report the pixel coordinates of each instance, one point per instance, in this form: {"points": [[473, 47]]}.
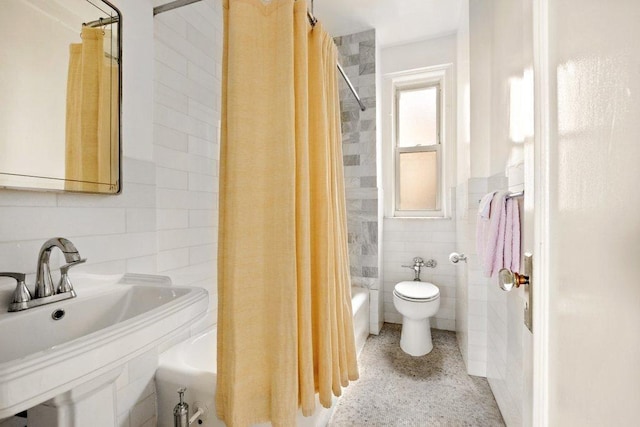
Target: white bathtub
{"points": [[192, 364]]}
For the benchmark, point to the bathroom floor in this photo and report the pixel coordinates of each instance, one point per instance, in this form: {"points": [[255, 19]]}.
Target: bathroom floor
{"points": [[396, 389]]}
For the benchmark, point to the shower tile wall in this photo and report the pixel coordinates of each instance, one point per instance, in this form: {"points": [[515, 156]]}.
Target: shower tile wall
{"points": [[357, 57]]}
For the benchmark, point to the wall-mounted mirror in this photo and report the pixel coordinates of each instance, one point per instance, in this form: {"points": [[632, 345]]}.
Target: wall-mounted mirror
{"points": [[60, 86]]}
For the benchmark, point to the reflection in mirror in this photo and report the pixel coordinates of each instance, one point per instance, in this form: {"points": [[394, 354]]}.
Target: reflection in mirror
{"points": [[60, 80]]}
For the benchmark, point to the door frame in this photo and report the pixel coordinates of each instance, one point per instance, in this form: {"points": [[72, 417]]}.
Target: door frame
{"points": [[543, 98]]}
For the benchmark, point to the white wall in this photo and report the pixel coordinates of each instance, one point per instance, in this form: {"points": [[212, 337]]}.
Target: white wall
{"points": [[164, 221], [594, 212], [406, 238]]}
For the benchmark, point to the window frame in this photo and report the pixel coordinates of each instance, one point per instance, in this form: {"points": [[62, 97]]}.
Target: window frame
{"points": [[422, 82]]}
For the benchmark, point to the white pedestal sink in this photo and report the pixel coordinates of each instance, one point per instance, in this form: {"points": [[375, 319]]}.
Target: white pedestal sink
{"points": [[72, 363]]}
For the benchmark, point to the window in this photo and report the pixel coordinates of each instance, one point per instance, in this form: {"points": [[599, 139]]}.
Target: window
{"points": [[417, 150]]}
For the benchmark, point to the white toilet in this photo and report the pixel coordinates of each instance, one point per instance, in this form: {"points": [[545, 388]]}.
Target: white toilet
{"points": [[417, 302]]}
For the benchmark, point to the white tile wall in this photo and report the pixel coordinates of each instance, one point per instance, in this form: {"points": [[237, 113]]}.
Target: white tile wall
{"points": [[186, 126], [505, 334], [406, 238], [472, 285]]}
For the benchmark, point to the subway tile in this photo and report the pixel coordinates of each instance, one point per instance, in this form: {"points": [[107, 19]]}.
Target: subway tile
{"points": [[204, 165], [169, 139], [172, 179], [143, 366], [202, 254], [170, 57], [174, 239], [170, 98], [204, 147], [134, 392], [202, 76], [143, 413], [204, 183], [171, 23], [172, 259], [172, 218], [170, 158], [133, 195], [192, 274], [29, 223], [172, 199], [104, 248], [137, 171], [202, 200], [123, 379], [21, 198], [142, 265], [100, 267], [202, 112], [202, 218], [202, 36], [140, 219]]}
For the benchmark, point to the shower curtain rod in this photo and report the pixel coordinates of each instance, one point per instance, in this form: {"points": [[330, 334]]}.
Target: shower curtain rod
{"points": [[312, 20], [102, 21]]}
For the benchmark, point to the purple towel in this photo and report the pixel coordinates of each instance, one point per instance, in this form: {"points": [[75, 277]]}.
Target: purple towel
{"points": [[498, 236]]}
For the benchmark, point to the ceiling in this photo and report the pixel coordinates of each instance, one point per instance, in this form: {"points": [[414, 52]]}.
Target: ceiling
{"points": [[395, 21]]}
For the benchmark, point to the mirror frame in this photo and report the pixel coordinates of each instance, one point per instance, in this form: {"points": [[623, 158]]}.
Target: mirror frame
{"points": [[39, 183]]}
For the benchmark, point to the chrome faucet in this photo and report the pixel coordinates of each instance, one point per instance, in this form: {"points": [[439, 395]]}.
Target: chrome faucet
{"points": [[418, 263], [44, 283], [45, 292]]}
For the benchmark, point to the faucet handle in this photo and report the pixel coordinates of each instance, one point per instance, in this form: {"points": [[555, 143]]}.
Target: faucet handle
{"points": [[65, 283], [21, 293]]}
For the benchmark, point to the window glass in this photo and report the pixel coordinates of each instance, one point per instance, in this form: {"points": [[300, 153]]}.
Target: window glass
{"points": [[418, 186], [417, 117]]}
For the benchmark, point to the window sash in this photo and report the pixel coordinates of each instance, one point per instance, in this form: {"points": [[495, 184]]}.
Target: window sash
{"points": [[419, 212], [415, 87]]}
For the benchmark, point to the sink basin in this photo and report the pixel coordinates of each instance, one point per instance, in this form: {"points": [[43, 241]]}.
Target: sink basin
{"points": [[112, 320]]}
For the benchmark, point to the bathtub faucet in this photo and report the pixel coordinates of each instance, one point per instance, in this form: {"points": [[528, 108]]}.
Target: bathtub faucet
{"points": [[418, 263]]}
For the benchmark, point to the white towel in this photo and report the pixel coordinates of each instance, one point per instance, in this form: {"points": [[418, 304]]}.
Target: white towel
{"points": [[485, 205]]}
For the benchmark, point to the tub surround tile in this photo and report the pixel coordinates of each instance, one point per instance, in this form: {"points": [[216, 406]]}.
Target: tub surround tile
{"points": [[359, 158]]}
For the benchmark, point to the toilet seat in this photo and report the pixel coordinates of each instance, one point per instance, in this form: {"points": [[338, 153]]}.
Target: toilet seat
{"points": [[416, 291]]}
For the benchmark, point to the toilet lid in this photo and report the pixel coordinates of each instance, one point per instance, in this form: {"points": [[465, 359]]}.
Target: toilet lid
{"points": [[417, 291]]}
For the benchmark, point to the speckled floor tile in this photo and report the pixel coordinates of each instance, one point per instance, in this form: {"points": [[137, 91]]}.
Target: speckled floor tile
{"points": [[396, 389]]}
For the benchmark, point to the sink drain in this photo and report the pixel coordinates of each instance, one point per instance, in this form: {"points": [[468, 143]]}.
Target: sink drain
{"points": [[57, 314]]}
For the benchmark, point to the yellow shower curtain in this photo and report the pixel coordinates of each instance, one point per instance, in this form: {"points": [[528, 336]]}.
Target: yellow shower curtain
{"points": [[285, 328], [91, 118]]}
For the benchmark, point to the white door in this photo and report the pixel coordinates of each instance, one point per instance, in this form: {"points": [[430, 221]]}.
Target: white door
{"points": [[587, 214]]}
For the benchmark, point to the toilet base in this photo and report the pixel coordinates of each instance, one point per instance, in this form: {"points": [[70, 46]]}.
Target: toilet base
{"points": [[415, 339]]}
